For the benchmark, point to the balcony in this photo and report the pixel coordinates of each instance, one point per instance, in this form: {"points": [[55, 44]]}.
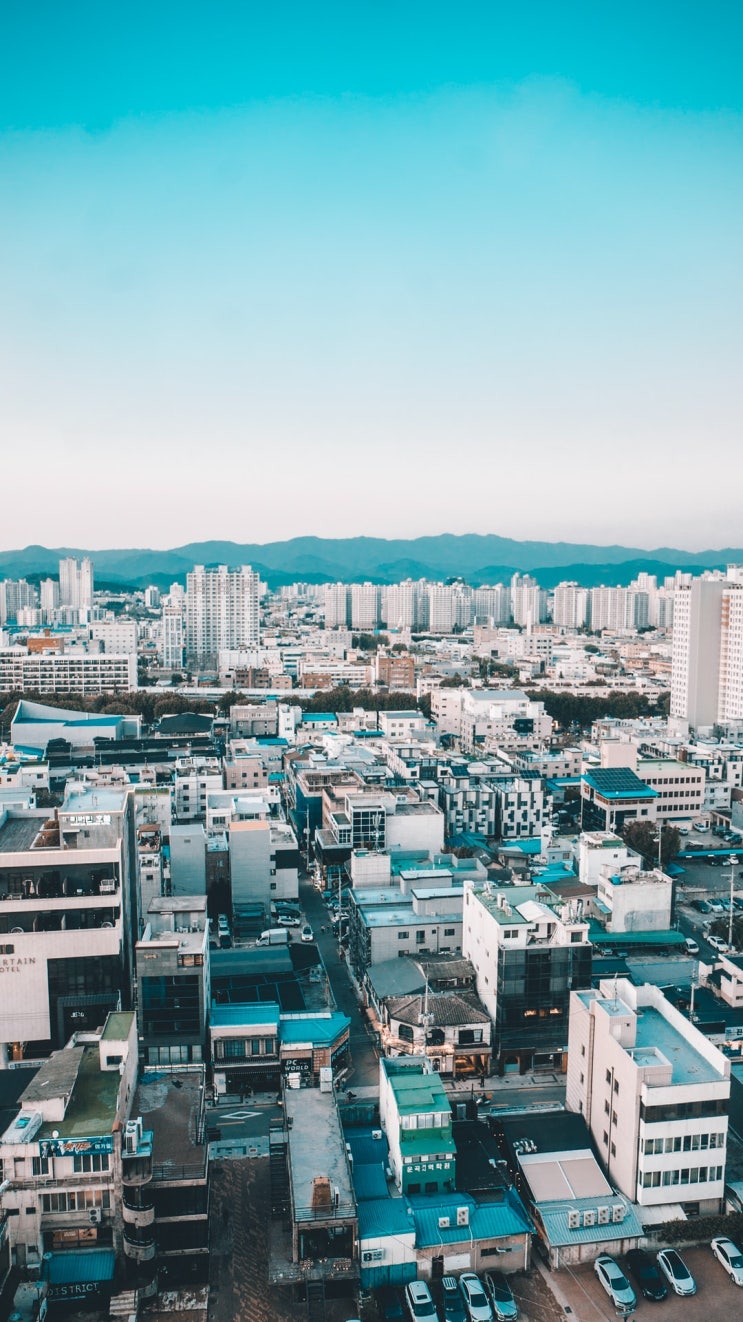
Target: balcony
{"points": [[137, 1213], [139, 1245]]}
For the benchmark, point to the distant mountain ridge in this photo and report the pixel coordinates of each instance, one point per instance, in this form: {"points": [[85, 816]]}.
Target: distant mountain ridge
{"points": [[477, 558]]}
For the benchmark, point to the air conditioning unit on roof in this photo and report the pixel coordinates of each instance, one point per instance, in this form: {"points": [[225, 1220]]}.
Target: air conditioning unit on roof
{"points": [[604, 1216]]}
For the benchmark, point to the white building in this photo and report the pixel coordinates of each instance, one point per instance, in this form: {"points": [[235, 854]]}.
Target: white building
{"points": [[655, 1095], [172, 638], [195, 778], [337, 605], [365, 604], [570, 606], [222, 611], [117, 636], [707, 657], [22, 671], [76, 584], [67, 917]]}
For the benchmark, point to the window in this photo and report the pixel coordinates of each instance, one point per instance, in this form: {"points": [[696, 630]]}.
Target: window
{"points": [[40, 1166], [420, 938], [85, 1165], [403, 936]]}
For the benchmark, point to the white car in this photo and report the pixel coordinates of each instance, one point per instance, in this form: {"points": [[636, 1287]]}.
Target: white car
{"points": [[615, 1282], [307, 933], [419, 1302], [730, 1257], [718, 944], [475, 1299], [676, 1272]]}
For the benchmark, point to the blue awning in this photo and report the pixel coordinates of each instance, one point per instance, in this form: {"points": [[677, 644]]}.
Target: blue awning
{"points": [[85, 1265]]}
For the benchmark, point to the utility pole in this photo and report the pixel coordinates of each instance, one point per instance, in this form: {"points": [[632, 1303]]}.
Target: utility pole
{"points": [[733, 862]]}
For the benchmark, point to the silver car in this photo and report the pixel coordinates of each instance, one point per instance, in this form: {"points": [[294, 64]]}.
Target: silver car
{"points": [[676, 1272], [475, 1299]]}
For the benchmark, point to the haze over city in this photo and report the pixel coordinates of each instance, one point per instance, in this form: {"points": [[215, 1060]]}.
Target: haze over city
{"points": [[371, 269]]}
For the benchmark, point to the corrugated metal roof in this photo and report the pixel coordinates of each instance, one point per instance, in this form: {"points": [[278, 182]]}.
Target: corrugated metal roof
{"points": [[88, 1265], [367, 1150], [385, 1216], [491, 1220], [369, 1182], [235, 1016], [554, 1218]]}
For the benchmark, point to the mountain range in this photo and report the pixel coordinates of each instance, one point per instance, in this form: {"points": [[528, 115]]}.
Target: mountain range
{"points": [[476, 558]]}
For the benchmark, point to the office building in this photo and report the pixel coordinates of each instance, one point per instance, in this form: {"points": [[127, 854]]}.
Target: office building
{"points": [[529, 950], [655, 1094]]}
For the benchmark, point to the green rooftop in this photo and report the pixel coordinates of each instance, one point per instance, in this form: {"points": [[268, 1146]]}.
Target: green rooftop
{"points": [[92, 1107], [118, 1026], [417, 1092]]}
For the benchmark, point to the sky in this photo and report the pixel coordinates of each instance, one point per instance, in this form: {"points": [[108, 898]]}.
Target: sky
{"points": [[389, 268]]}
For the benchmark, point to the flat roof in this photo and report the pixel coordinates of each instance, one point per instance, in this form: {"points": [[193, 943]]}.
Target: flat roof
{"points": [[317, 1148], [170, 1106], [118, 1026], [416, 1091], [18, 833], [554, 1176], [654, 1031], [92, 1107]]}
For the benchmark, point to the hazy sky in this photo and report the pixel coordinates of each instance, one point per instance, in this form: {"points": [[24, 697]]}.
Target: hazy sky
{"points": [[390, 268]]}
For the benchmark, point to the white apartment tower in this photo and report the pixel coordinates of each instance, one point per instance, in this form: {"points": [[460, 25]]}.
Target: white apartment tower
{"points": [[707, 657], [222, 611], [365, 603], [570, 607], [337, 606], [76, 583]]}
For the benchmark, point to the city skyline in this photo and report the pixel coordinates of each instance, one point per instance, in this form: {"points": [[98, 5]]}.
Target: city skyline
{"points": [[485, 265]]}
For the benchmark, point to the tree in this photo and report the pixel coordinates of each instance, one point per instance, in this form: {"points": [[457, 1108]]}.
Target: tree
{"points": [[643, 837]]}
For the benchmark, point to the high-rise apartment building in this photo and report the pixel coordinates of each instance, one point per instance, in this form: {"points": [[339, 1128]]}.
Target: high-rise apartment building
{"points": [[15, 596], [365, 603], [222, 611], [707, 657], [76, 583], [570, 606], [337, 606]]}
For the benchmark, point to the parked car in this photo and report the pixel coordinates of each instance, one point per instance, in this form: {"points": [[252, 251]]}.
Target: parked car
{"points": [[419, 1302], [718, 944], [701, 906], [690, 946], [615, 1282], [307, 933], [288, 920], [451, 1302], [730, 1257], [676, 1272], [644, 1268], [475, 1299], [501, 1296]]}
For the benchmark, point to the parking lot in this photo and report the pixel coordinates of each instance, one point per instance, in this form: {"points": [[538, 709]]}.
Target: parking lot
{"points": [[578, 1289]]}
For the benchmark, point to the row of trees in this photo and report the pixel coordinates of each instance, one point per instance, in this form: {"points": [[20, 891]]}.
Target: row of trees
{"points": [[575, 709]]}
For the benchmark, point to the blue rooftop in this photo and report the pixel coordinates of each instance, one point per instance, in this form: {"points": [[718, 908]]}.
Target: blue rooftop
{"points": [[239, 1015], [318, 1029], [618, 783]]}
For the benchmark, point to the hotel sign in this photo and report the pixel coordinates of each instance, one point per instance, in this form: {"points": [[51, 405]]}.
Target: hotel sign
{"points": [[87, 819], [14, 963]]}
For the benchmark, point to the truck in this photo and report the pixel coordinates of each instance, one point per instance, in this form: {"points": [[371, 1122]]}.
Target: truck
{"points": [[274, 936]]}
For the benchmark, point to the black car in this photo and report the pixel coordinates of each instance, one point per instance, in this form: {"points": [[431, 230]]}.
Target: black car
{"points": [[450, 1301], [648, 1279]]}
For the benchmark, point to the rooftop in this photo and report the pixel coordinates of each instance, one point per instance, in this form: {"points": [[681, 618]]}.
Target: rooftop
{"points": [[17, 834], [618, 783], [242, 1015], [317, 1148], [171, 1107], [92, 1107], [415, 1089]]}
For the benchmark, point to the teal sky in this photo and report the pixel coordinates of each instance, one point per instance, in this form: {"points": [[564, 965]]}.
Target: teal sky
{"points": [[381, 268]]}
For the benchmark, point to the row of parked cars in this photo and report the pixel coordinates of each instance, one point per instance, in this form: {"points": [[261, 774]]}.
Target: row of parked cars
{"points": [[654, 1276], [466, 1299]]}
